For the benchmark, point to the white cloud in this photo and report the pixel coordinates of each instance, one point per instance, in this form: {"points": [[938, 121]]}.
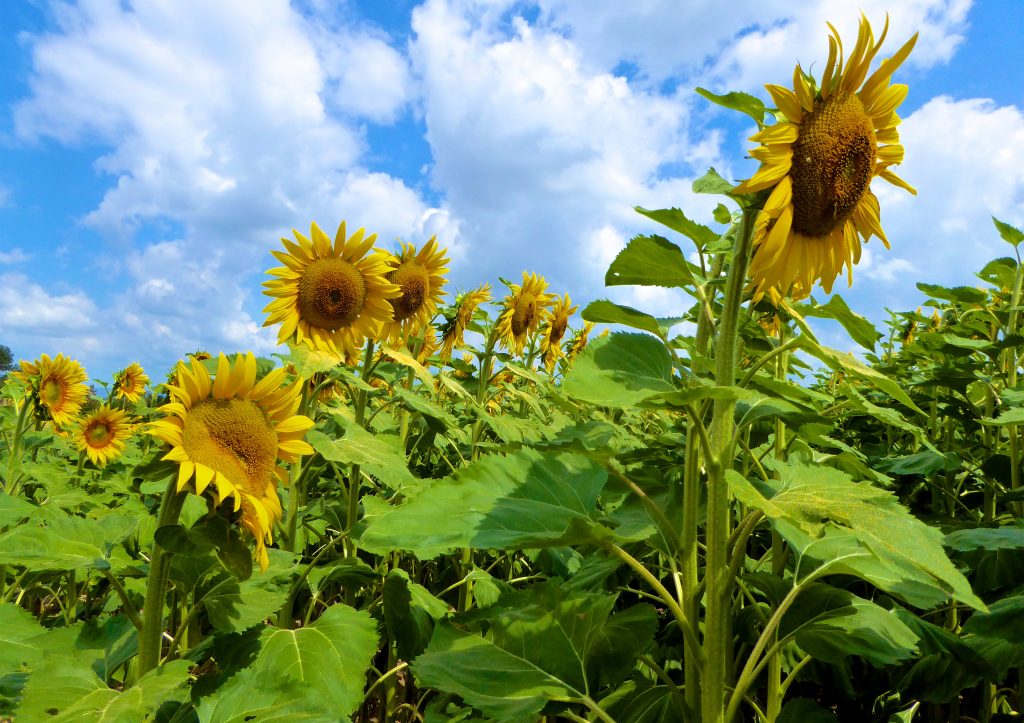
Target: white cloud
{"points": [[14, 256], [37, 320], [885, 268], [5, 196]]}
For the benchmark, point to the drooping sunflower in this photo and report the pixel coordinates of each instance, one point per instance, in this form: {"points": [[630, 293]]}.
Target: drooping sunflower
{"points": [[231, 430], [57, 384], [330, 296], [102, 434], [552, 331], [429, 345], [524, 310], [579, 340], [819, 161], [465, 306], [420, 276], [130, 383]]}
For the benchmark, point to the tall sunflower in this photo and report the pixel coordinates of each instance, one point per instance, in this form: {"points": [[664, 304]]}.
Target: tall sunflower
{"points": [[465, 306], [57, 384], [552, 331], [102, 434], [819, 161], [330, 296], [231, 430], [420, 276], [525, 308], [130, 383]]}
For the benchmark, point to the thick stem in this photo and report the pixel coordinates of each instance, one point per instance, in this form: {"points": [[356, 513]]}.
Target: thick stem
{"points": [[11, 486], [156, 587], [1010, 360], [719, 582]]}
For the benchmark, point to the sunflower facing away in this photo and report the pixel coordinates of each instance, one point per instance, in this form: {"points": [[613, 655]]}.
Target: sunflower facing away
{"points": [[525, 308], [819, 162], [552, 331], [230, 431], [465, 306], [130, 383], [58, 384], [579, 341], [420, 276], [102, 434], [330, 296]]}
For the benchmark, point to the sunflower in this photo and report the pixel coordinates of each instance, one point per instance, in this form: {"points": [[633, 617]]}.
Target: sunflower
{"points": [[465, 306], [102, 434], [130, 383], [230, 431], [330, 296], [420, 276], [525, 308], [552, 331], [818, 161], [429, 345], [58, 384], [579, 341]]}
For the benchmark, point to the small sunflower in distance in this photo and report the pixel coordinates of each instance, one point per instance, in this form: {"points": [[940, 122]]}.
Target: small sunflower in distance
{"points": [[525, 308], [465, 306], [330, 296], [228, 432], [420, 276], [102, 434], [552, 331], [58, 384], [819, 162], [130, 383]]}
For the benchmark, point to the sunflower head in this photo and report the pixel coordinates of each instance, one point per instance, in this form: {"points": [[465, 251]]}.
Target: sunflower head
{"points": [[130, 383], [228, 433], [579, 340], [420, 276], [330, 296], [817, 164], [552, 331], [102, 434], [524, 310], [462, 313], [57, 385]]}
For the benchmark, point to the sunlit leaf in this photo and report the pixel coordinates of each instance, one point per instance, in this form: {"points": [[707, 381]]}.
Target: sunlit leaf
{"points": [[620, 370], [379, 454]]}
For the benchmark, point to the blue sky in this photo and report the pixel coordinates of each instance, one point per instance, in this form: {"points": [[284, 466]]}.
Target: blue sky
{"points": [[153, 152]]}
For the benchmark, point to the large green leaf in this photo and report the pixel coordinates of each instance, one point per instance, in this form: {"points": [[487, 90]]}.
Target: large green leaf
{"points": [[603, 311], [857, 529], [860, 329], [526, 499], [998, 634], [620, 370], [654, 260], [736, 100], [379, 454], [233, 606], [1010, 234], [676, 220], [308, 362], [1010, 537], [17, 630], [410, 612], [65, 543], [962, 294], [541, 643]]}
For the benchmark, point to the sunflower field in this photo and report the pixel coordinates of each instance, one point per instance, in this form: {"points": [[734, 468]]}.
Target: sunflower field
{"points": [[434, 505]]}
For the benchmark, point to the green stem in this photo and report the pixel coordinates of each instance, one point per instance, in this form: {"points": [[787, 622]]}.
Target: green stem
{"points": [[11, 487], [717, 627], [126, 603], [1010, 360], [296, 479], [156, 587], [355, 477]]}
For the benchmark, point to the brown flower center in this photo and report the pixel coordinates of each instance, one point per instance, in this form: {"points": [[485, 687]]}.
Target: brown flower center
{"points": [[233, 437], [331, 294], [524, 313], [98, 433], [414, 281], [52, 393], [833, 164]]}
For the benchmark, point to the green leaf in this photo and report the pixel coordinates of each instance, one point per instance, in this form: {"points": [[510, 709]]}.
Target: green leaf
{"points": [[17, 629], [526, 499], [722, 214], [608, 312], [410, 612], [858, 530], [642, 702], [68, 543], [308, 362], [804, 710], [620, 370], [986, 538], [676, 220], [417, 403], [832, 624], [998, 635], [962, 294], [743, 102], [860, 329], [379, 454], [264, 696], [1010, 234], [1010, 416], [650, 261], [711, 182], [233, 606], [13, 510], [541, 643]]}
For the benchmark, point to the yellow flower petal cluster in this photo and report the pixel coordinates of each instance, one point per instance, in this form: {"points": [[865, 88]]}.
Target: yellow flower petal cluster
{"points": [[130, 383], [579, 341], [57, 384], [465, 306], [102, 434], [819, 161], [524, 310], [330, 296], [552, 331], [420, 276], [228, 432]]}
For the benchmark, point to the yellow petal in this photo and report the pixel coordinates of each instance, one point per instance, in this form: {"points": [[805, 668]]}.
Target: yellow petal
{"points": [[786, 101]]}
